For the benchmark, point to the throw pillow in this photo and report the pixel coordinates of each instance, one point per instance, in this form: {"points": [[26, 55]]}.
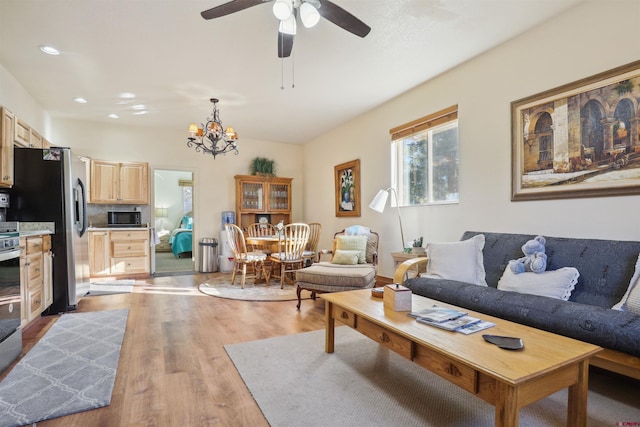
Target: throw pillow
{"points": [[353, 243], [551, 283], [631, 299], [344, 257], [462, 261]]}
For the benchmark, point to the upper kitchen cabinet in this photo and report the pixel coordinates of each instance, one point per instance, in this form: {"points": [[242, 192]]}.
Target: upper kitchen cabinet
{"points": [[118, 182], [21, 133], [6, 148]]}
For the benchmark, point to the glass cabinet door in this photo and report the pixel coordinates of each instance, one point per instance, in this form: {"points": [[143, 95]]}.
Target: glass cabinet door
{"points": [[252, 196], [279, 197]]}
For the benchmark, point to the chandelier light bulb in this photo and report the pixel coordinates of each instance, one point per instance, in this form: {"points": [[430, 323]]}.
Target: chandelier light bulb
{"points": [[283, 9]]}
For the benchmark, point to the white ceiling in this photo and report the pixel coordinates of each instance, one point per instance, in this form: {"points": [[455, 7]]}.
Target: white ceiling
{"points": [[174, 61]]}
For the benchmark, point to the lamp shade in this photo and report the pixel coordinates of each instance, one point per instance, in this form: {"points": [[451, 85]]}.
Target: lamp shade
{"points": [[283, 9], [161, 212], [378, 203], [309, 15]]}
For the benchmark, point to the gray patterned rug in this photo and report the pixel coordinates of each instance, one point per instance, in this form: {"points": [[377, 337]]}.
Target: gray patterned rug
{"points": [[365, 385], [71, 369]]}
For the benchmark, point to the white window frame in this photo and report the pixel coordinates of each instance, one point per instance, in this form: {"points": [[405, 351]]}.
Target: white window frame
{"points": [[441, 121]]}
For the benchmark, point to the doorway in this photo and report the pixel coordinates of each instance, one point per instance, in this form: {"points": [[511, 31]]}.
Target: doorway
{"points": [[173, 216]]}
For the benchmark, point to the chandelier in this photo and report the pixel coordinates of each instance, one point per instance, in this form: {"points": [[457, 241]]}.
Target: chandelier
{"points": [[212, 138]]}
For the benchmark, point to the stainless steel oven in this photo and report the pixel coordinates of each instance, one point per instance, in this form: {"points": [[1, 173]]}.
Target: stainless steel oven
{"points": [[10, 306]]}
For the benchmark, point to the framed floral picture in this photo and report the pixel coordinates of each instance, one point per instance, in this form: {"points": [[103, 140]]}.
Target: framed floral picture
{"points": [[347, 178]]}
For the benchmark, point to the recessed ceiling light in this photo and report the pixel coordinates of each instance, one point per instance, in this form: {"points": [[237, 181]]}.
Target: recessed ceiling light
{"points": [[138, 113], [49, 50], [113, 116], [127, 95], [139, 107], [80, 100]]}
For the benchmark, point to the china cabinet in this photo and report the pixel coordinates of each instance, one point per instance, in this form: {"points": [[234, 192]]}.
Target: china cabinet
{"points": [[261, 198]]}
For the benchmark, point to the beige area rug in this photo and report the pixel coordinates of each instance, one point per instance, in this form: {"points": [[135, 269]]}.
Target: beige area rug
{"points": [[220, 286], [364, 384]]}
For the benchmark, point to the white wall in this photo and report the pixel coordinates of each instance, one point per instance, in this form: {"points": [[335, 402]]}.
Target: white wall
{"points": [[591, 38]]}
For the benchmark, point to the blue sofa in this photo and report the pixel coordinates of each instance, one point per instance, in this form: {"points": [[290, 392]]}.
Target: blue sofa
{"points": [[606, 268]]}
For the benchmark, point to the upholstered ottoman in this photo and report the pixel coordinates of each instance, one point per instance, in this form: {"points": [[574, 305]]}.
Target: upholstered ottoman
{"points": [[327, 277]]}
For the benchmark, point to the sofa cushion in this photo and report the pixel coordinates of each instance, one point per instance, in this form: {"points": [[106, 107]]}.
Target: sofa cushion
{"points": [[613, 329], [605, 266], [631, 299], [353, 243], [327, 277], [457, 260], [551, 283], [344, 257]]}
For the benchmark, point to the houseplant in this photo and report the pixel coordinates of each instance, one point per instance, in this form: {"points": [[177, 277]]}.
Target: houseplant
{"points": [[262, 166]]}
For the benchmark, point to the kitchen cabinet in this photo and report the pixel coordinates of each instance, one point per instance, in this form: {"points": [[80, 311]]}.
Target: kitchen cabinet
{"points": [[259, 196], [118, 182], [119, 252], [6, 148], [35, 276], [35, 140], [21, 133]]}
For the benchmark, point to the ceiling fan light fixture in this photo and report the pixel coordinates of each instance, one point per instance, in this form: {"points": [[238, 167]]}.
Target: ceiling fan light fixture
{"points": [[288, 26], [309, 15], [283, 9]]}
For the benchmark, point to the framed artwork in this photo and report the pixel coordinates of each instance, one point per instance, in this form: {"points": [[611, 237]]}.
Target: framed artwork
{"points": [[578, 140], [347, 178]]}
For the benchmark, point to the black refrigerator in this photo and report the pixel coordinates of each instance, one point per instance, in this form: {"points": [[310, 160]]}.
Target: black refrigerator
{"points": [[49, 187]]}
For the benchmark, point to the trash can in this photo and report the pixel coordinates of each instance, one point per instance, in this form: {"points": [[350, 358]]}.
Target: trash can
{"points": [[208, 255]]}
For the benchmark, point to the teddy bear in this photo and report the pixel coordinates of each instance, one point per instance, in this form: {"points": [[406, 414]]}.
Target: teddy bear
{"points": [[535, 260]]}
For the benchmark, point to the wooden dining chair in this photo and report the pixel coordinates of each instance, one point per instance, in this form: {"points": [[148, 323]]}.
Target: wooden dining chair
{"points": [[311, 250], [242, 257], [259, 230], [291, 245]]}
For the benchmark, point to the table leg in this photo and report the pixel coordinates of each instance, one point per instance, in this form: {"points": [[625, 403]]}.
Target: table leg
{"points": [[577, 401], [329, 324], [507, 406]]}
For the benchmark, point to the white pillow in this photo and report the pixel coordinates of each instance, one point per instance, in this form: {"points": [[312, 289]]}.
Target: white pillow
{"points": [[631, 299], [354, 243], [551, 283], [462, 261]]}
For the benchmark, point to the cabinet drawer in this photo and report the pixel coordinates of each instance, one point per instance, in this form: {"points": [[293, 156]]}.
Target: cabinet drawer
{"points": [[129, 235], [454, 371], [344, 316], [391, 340], [129, 265], [34, 269], [35, 303], [46, 243], [129, 249], [34, 244]]}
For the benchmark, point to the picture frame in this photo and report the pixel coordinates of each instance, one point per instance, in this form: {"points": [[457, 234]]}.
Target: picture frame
{"points": [[347, 189], [581, 139]]}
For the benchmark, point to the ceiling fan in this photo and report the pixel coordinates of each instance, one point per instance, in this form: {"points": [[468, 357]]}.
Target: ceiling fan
{"points": [[287, 12]]}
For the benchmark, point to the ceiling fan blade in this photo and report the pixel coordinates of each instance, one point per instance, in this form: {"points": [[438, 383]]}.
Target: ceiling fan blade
{"points": [[285, 44], [230, 7], [343, 19]]}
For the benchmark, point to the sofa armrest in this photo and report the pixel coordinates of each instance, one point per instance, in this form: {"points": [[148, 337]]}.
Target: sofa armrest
{"points": [[413, 267]]}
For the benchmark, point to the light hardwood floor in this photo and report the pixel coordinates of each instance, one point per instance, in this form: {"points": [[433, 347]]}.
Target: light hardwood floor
{"points": [[173, 369]]}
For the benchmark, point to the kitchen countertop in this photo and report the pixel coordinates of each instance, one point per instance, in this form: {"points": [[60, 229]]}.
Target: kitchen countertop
{"points": [[117, 228], [35, 233], [36, 228]]}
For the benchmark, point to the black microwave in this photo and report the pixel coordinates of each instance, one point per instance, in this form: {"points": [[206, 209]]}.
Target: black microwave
{"points": [[124, 219]]}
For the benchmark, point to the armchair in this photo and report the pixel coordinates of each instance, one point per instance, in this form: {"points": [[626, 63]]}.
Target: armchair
{"points": [[341, 273]]}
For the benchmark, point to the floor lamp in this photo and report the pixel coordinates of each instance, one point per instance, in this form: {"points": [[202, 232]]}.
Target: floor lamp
{"points": [[379, 202]]}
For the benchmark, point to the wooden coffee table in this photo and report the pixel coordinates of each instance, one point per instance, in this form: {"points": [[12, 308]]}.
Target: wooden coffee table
{"points": [[506, 379]]}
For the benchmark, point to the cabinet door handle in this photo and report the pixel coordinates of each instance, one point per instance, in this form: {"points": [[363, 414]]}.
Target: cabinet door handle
{"points": [[384, 337]]}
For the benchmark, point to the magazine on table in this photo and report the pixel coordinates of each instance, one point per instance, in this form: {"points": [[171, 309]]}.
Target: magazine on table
{"points": [[451, 325], [475, 327], [437, 314]]}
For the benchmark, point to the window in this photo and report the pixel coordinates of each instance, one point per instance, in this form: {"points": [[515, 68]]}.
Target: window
{"points": [[424, 159]]}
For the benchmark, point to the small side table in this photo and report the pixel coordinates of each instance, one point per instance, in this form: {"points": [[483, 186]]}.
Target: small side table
{"points": [[400, 257]]}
